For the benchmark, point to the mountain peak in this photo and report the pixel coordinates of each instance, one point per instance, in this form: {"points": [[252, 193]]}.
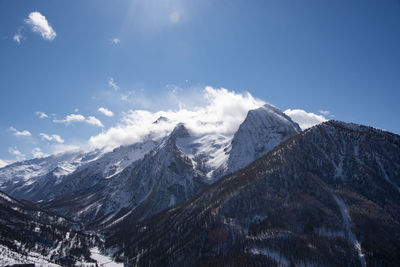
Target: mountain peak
{"points": [[334, 125], [161, 119], [180, 131], [262, 130], [270, 115]]}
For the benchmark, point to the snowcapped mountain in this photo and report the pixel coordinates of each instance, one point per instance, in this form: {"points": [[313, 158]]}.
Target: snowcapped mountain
{"points": [[47, 178], [328, 196], [139, 180], [28, 179], [162, 178], [262, 130], [61, 164]]}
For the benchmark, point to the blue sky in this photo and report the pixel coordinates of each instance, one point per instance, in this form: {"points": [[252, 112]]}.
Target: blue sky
{"points": [[336, 56]]}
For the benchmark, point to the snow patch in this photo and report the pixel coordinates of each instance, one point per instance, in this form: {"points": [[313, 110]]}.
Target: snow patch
{"points": [[274, 255], [103, 260], [10, 257], [350, 234]]}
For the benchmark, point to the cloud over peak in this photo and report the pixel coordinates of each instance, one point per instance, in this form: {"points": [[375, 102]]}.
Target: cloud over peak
{"points": [[40, 25], [37, 153], [303, 118], [215, 111]]}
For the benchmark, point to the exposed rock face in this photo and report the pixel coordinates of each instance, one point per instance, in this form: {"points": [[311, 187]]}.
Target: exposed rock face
{"points": [[328, 196]]}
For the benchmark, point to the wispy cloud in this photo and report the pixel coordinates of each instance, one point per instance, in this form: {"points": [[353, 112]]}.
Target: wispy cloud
{"points": [[80, 118], [37, 153], [16, 153], [18, 37], [327, 113], [40, 25], [127, 95], [113, 84], [305, 119], [20, 133], [71, 118], [52, 137], [41, 114], [115, 41], [94, 121], [106, 112]]}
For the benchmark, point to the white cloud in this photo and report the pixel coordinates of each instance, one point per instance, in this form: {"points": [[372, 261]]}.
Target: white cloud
{"points": [[62, 148], [94, 121], [20, 133], [53, 137], [80, 118], [18, 155], [71, 118], [74, 117], [113, 84], [40, 25], [303, 118], [106, 112], [326, 113], [115, 41], [211, 110], [37, 153], [5, 162], [18, 37], [41, 114]]}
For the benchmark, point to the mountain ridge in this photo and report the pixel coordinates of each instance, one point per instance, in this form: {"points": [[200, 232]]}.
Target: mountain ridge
{"points": [[282, 210]]}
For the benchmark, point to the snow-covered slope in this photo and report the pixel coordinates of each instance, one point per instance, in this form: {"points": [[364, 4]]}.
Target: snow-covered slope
{"points": [[21, 178], [262, 130], [48, 178], [61, 164]]}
